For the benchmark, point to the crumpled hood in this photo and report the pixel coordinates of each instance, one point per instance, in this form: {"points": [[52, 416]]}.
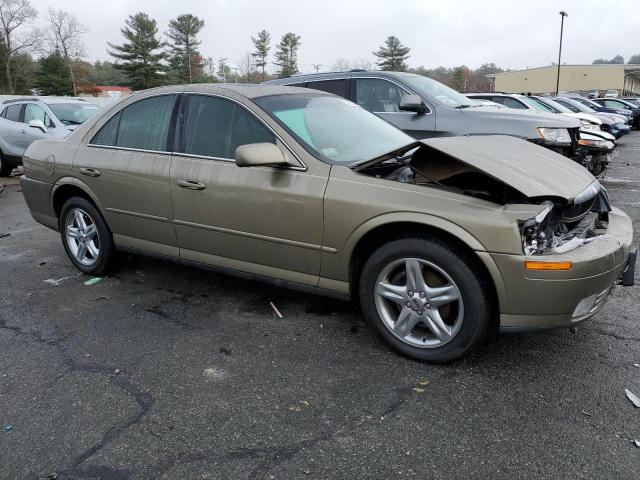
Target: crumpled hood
{"points": [[539, 119], [533, 170]]}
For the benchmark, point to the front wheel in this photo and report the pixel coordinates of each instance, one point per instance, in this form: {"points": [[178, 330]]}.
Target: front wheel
{"points": [[426, 299], [86, 237]]}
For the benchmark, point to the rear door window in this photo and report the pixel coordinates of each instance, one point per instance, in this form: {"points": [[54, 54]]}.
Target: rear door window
{"points": [[12, 112], [337, 87], [145, 124]]}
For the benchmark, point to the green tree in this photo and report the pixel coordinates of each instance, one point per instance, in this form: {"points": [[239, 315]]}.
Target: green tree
{"points": [[105, 73], [615, 60], [287, 54], [634, 59], [262, 46], [52, 77], [392, 55], [459, 78], [140, 53], [184, 56]]}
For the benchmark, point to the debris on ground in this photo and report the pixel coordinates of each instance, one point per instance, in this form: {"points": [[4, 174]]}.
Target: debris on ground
{"points": [[59, 281], [213, 373], [93, 281], [276, 310], [2, 235], [586, 413], [116, 371], [633, 397], [636, 443], [299, 406], [226, 351], [637, 365], [42, 263], [423, 382], [8, 428], [102, 297], [418, 390]]}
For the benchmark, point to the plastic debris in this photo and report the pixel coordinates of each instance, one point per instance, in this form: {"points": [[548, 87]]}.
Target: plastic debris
{"points": [[633, 397], [586, 413], [418, 390], [58, 281], [637, 365], [93, 281], [8, 428], [637, 443], [423, 382], [299, 406], [276, 310], [116, 371]]}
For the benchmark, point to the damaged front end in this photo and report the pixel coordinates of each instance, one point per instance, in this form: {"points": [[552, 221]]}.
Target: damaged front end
{"points": [[559, 228]]}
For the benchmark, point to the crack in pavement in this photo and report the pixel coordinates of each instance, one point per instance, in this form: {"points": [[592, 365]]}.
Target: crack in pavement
{"points": [[610, 334], [143, 399]]}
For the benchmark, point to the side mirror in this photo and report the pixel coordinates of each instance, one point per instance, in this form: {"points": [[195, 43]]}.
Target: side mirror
{"points": [[259, 154], [38, 124], [412, 103]]}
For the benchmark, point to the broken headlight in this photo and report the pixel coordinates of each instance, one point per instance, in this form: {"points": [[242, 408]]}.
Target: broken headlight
{"points": [[532, 231], [555, 136]]}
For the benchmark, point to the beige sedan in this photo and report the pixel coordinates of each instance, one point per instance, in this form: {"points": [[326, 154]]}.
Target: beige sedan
{"points": [[440, 240]]}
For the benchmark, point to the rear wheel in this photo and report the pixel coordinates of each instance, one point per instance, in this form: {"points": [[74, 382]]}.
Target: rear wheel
{"points": [[86, 237], [426, 299]]}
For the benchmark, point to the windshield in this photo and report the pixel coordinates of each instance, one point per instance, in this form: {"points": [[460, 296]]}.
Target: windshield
{"points": [[74, 113], [583, 105], [430, 88], [333, 129], [570, 102], [555, 105], [541, 107]]}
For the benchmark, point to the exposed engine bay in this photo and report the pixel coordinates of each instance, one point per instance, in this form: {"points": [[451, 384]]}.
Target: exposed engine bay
{"points": [[559, 226]]}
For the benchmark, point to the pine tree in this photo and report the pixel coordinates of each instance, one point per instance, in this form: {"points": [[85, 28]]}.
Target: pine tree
{"points": [[287, 54], [184, 56], [140, 53], [262, 47], [392, 55], [52, 77]]}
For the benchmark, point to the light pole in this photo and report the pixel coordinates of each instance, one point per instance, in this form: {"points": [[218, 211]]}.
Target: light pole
{"points": [[562, 14]]}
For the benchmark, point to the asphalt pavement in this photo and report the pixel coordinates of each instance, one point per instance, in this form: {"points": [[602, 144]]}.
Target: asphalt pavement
{"points": [[169, 372]]}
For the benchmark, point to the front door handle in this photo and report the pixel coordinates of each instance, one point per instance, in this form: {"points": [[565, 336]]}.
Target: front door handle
{"points": [[90, 172], [191, 184]]}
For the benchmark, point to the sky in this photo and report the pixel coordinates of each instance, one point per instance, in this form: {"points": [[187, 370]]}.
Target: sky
{"points": [[512, 34]]}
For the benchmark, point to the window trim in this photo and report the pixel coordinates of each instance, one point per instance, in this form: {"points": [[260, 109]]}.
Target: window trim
{"points": [[181, 123], [404, 87], [115, 147]]}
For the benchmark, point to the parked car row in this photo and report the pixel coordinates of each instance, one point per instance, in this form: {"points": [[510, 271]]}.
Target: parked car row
{"points": [[441, 240]]}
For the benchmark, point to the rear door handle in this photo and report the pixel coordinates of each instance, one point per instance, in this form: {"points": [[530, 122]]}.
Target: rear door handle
{"points": [[191, 184], [90, 172]]}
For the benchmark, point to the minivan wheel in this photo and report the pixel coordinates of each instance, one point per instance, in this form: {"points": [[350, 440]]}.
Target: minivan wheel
{"points": [[426, 299], [86, 238]]}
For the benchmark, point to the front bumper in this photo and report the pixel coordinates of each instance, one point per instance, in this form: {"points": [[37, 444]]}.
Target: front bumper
{"points": [[536, 300]]}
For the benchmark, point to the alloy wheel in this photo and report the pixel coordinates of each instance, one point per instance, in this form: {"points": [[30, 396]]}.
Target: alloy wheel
{"points": [[82, 236], [419, 302]]}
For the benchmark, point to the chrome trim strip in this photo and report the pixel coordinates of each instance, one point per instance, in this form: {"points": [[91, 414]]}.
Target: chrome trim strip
{"points": [[136, 214], [255, 236], [127, 149]]}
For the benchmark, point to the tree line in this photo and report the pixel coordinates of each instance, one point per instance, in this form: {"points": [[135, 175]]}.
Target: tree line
{"points": [[50, 60]]}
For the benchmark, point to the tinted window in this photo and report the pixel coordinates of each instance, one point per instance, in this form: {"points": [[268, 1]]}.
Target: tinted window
{"points": [[13, 113], [337, 87], [108, 134], [567, 104], [614, 104], [215, 127], [36, 112], [145, 124], [378, 95]]}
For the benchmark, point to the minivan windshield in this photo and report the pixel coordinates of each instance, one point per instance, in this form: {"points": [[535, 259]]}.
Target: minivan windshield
{"points": [[333, 129], [429, 88]]}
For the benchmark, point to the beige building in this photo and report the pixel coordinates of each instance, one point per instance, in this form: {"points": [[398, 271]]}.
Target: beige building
{"points": [[621, 77]]}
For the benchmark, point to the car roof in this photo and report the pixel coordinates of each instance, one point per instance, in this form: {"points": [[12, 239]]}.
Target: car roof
{"points": [[305, 77], [248, 90]]}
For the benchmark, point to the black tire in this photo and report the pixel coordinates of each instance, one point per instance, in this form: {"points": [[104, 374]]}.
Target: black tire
{"points": [[107, 256], [5, 167], [465, 273]]}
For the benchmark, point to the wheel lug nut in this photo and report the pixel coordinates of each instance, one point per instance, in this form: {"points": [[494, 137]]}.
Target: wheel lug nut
{"points": [[428, 306], [419, 312], [410, 293], [408, 304], [423, 294]]}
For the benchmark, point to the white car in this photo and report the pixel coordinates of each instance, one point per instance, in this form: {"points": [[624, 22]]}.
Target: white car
{"points": [[25, 120], [611, 94]]}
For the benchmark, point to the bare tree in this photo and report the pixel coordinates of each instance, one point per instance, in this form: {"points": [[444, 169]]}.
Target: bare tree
{"points": [[19, 35], [248, 70], [342, 64], [67, 33]]}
